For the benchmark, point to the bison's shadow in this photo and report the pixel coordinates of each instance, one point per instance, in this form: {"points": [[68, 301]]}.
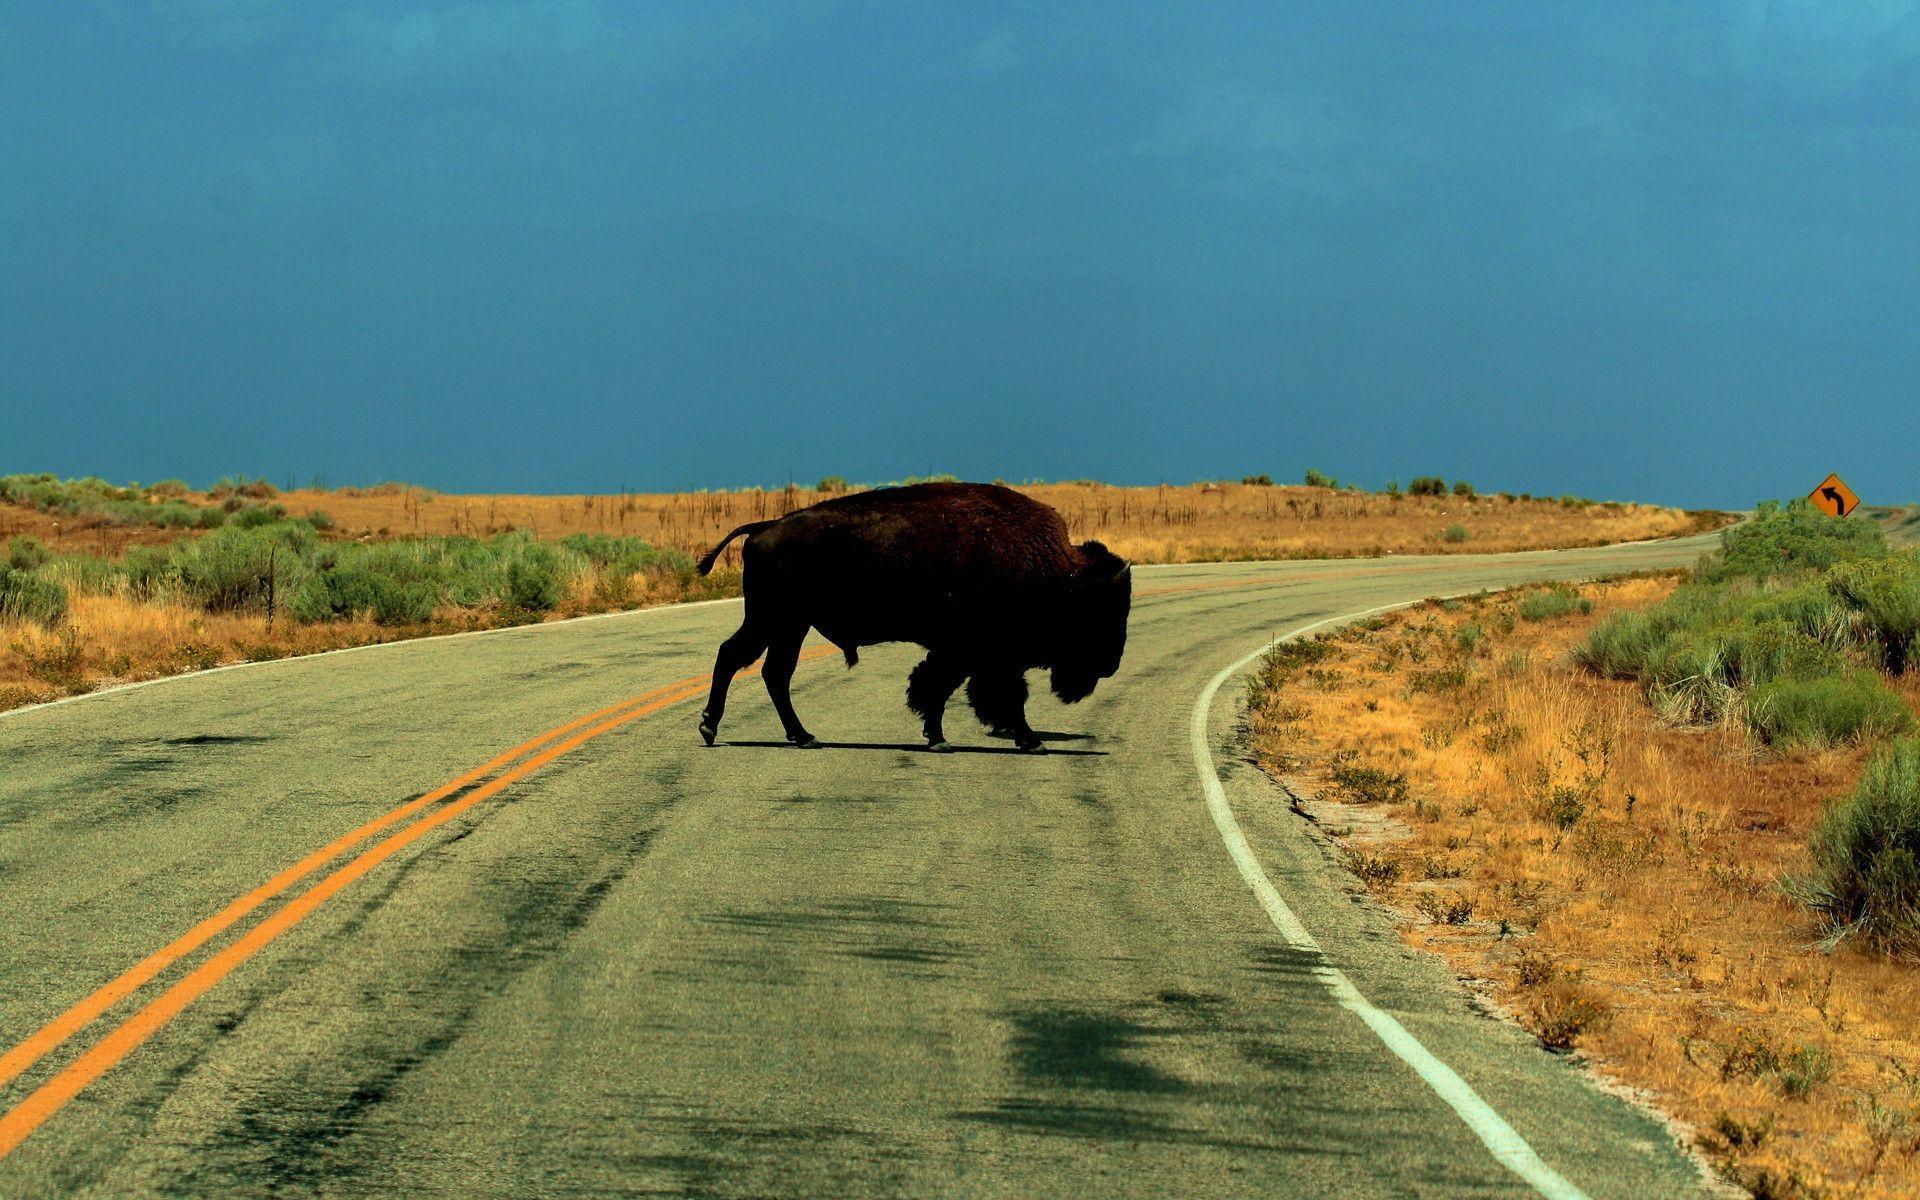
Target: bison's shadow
{"points": [[1047, 737], [921, 747]]}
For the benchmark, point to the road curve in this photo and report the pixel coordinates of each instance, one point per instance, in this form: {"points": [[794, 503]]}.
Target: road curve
{"points": [[481, 917]]}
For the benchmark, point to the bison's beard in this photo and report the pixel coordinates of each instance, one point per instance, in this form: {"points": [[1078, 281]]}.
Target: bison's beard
{"points": [[1073, 686]]}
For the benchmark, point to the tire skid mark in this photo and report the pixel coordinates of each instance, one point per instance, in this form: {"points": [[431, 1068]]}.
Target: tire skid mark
{"points": [[299, 1127]]}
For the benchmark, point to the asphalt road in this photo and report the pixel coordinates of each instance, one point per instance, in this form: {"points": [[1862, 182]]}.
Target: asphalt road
{"points": [[638, 966]]}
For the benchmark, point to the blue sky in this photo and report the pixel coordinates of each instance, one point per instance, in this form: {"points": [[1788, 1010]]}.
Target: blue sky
{"points": [[1634, 250]]}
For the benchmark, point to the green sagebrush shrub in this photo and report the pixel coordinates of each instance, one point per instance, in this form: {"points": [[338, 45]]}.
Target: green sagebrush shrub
{"points": [[1827, 710], [348, 591], [1553, 602], [26, 553], [531, 578], [630, 555], [1790, 539], [261, 554], [259, 515], [1865, 881], [1885, 596], [233, 568], [146, 570], [25, 596], [93, 497], [1774, 629]]}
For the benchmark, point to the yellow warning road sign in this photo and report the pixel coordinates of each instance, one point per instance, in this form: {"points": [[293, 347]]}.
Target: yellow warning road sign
{"points": [[1833, 497]]}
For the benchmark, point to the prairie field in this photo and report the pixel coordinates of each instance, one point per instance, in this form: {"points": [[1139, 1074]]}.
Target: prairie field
{"points": [[122, 636], [1191, 523], [101, 584], [1627, 884]]}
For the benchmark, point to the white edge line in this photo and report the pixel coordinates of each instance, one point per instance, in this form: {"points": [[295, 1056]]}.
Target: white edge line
{"points": [[1490, 1127]]}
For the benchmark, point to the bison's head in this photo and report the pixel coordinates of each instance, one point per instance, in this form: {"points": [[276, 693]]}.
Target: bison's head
{"points": [[1095, 627]]}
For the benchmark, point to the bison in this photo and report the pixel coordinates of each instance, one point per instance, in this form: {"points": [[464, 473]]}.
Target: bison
{"points": [[983, 577]]}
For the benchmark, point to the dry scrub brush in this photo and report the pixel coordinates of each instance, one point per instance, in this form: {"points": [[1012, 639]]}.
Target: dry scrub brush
{"points": [[246, 571], [1190, 523], [72, 622], [1625, 885]]}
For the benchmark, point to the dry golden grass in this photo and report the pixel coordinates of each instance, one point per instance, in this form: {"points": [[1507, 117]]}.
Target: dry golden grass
{"points": [[78, 535], [1195, 523], [1615, 883], [112, 639]]}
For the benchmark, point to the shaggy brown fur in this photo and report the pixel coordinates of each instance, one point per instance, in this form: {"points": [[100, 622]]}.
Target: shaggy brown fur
{"points": [[983, 577]]}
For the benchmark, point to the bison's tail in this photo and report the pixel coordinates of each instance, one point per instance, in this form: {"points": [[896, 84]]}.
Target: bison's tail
{"points": [[713, 555]]}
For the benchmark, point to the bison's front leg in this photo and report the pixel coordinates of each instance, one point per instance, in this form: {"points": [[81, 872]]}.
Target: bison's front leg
{"points": [[999, 698], [929, 688]]}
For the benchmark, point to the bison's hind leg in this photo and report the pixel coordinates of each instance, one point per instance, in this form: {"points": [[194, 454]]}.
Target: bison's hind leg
{"points": [[736, 653], [782, 656], [929, 688], [999, 699]]}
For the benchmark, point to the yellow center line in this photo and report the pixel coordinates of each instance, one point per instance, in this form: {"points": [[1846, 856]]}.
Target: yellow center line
{"points": [[50, 1097], [30, 1051], [32, 1112]]}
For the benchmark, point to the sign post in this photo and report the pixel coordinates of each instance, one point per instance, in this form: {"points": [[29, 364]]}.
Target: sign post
{"points": [[1833, 497]]}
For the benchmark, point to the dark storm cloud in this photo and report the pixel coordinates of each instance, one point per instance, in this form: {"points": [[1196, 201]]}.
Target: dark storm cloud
{"points": [[1635, 250]]}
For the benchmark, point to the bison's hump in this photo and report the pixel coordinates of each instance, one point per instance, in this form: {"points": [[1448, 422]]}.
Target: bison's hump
{"points": [[967, 527]]}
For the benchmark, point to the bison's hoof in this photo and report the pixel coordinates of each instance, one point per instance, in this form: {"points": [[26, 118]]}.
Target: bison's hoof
{"points": [[941, 747], [708, 730], [1031, 745], [806, 741]]}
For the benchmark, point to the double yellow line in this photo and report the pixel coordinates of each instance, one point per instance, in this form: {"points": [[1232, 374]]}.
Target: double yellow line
{"points": [[19, 1122]]}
